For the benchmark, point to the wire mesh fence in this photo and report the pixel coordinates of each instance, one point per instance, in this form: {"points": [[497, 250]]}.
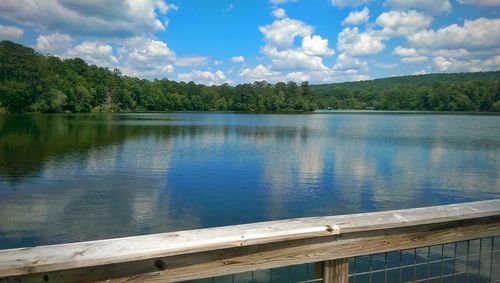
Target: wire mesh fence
{"points": [[473, 261], [467, 261], [304, 273]]}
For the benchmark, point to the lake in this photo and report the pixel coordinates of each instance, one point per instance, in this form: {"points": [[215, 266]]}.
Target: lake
{"points": [[66, 178]]}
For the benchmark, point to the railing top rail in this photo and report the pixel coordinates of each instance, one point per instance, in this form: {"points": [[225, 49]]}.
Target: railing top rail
{"points": [[95, 253]]}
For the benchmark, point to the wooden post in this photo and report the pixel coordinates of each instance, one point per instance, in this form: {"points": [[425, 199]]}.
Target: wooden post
{"points": [[336, 271]]}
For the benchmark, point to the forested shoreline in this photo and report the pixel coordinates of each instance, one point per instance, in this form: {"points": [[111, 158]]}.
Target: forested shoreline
{"points": [[32, 82]]}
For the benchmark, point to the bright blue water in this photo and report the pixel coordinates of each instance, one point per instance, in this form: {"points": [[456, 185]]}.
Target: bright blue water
{"points": [[66, 178]]}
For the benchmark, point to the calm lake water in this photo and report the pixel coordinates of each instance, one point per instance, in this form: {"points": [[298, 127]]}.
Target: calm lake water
{"points": [[66, 178]]}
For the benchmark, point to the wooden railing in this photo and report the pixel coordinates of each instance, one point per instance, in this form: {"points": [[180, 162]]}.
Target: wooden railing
{"points": [[219, 251]]}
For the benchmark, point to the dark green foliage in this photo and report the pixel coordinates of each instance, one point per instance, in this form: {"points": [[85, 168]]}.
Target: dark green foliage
{"points": [[31, 82]]}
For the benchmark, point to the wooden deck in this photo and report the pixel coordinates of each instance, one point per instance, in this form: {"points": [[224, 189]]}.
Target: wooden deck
{"points": [[202, 253]]}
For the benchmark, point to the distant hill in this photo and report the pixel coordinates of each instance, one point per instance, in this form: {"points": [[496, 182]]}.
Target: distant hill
{"points": [[32, 82], [411, 80]]}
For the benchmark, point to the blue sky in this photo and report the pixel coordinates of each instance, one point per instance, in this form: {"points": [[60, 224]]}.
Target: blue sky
{"points": [[236, 41]]}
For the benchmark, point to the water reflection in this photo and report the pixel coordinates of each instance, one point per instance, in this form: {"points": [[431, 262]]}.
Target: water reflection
{"points": [[67, 178]]}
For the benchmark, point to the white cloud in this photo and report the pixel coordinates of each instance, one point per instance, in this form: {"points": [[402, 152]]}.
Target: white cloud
{"points": [[348, 75], [298, 76], [153, 72], [357, 17], [186, 61], [259, 73], [292, 59], [439, 6], [473, 65], [356, 43], [94, 53], [289, 61], [346, 62], [405, 52], [238, 59], [280, 36], [281, 33], [56, 43], [474, 46], [316, 46], [409, 55], [397, 23], [117, 18], [279, 13], [204, 77], [344, 3], [145, 50], [481, 33], [266, 73], [10, 32], [414, 59], [386, 66], [146, 58], [165, 7], [481, 2]]}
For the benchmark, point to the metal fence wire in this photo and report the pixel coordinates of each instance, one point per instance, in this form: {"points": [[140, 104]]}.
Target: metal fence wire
{"points": [[467, 261], [473, 261]]}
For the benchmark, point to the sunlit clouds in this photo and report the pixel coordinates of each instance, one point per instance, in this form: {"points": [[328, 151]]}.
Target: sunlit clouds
{"points": [[275, 40]]}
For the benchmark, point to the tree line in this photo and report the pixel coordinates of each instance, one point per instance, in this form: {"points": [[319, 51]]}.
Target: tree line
{"points": [[32, 82]]}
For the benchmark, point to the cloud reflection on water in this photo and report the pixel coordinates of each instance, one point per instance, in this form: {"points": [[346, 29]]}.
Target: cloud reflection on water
{"points": [[71, 178]]}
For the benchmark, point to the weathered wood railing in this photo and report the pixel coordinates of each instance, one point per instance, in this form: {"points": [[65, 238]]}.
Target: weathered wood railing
{"points": [[218, 251]]}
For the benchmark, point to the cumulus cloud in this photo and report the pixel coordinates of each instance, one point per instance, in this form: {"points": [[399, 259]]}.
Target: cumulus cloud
{"points": [[356, 43], [157, 71], [94, 53], [474, 46], [284, 56], [10, 32], [186, 61], [281, 33], [91, 51], [473, 65], [204, 77], [405, 52], [481, 2], [409, 55], [397, 23], [165, 7], [345, 62], [292, 59], [316, 46], [414, 59], [117, 18], [481, 33], [357, 17], [238, 59], [279, 13], [56, 43], [386, 66], [146, 58], [344, 3], [440, 6], [259, 73], [266, 73], [144, 50]]}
